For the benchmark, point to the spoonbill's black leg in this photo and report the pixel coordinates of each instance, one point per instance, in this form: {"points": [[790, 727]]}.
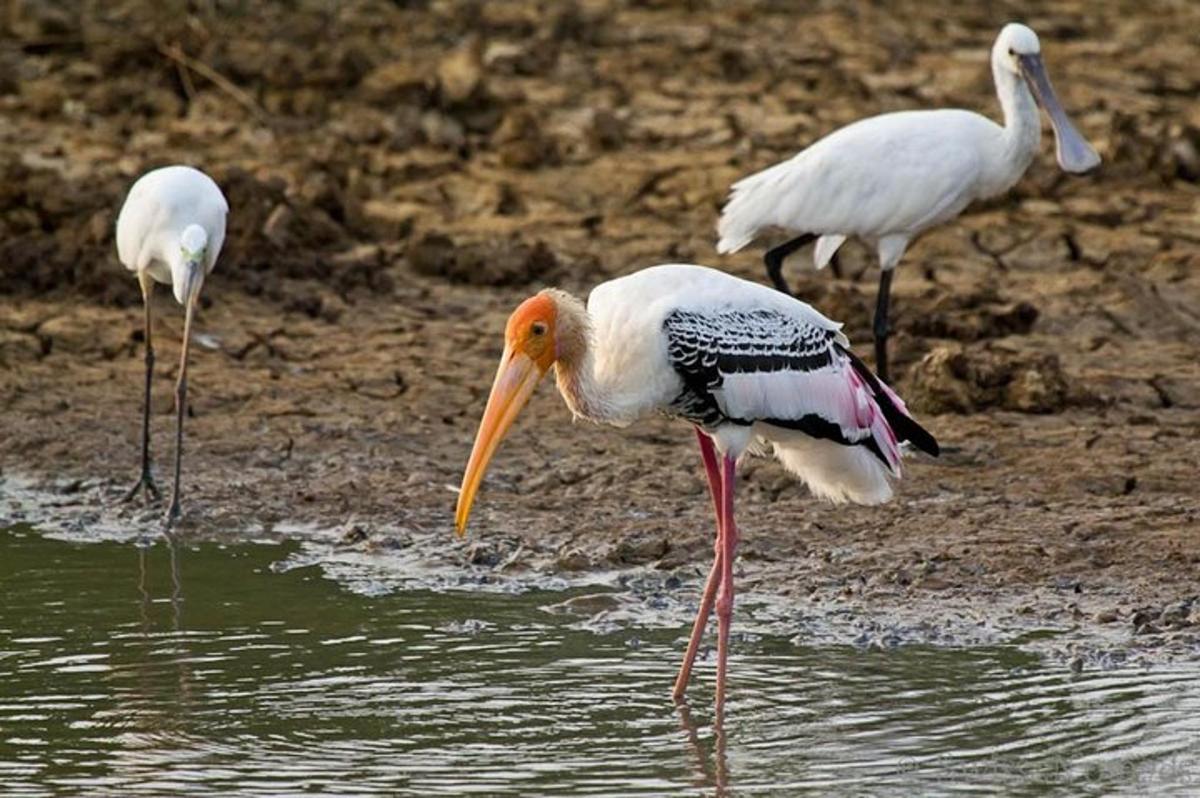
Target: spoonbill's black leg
{"points": [[774, 260], [881, 328]]}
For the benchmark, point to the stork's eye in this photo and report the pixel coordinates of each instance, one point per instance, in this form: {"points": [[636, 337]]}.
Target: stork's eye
{"points": [[1011, 51], [538, 328]]}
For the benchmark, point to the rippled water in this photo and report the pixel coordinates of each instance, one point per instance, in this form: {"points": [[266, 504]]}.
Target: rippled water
{"points": [[123, 675]]}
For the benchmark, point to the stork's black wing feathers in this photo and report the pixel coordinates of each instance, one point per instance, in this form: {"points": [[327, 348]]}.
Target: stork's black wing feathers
{"points": [[705, 347], [805, 380]]}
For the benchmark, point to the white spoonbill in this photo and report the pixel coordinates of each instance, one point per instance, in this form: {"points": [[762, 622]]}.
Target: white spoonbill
{"points": [[170, 230], [889, 178], [753, 370]]}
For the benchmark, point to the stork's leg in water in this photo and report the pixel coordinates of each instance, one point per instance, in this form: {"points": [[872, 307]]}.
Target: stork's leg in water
{"points": [[774, 260], [729, 541], [713, 471], [180, 409], [146, 480], [881, 328]]}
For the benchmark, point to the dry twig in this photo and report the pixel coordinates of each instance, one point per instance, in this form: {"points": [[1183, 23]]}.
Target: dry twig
{"points": [[220, 81]]}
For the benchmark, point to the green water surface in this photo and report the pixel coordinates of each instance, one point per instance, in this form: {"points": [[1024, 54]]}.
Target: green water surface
{"points": [[200, 670]]}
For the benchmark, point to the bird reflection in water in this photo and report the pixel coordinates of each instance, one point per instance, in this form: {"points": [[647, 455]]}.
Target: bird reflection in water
{"points": [[176, 585], [716, 774], [163, 684]]}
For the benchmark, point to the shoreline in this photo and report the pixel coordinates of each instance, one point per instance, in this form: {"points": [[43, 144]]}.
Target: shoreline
{"points": [[1104, 627]]}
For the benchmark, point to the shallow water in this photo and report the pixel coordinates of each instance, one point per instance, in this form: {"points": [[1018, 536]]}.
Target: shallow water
{"points": [[203, 670]]}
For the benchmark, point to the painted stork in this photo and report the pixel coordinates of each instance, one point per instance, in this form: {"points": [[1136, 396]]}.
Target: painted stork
{"points": [[752, 369], [170, 230], [889, 178]]}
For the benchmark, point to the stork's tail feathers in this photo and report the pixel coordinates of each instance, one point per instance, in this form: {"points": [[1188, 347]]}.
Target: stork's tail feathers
{"points": [[836, 472], [751, 206], [894, 412], [861, 473]]}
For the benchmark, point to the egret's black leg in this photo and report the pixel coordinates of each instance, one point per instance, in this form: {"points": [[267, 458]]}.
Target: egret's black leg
{"points": [[180, 409], [146, 481], [881, 324], [774, 260]]}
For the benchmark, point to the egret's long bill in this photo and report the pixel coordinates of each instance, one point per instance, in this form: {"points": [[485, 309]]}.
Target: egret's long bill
{"points": [[187, 279], [195, 279], [515, 381], [1074, 154]]}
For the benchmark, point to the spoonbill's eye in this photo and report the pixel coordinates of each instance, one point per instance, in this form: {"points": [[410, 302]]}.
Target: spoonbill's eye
{"points": [[1011, 51], [538, 328]]}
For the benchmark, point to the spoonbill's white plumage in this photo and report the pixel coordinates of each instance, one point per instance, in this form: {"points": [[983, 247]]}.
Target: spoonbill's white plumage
{"points": [[888, 178], [749, 367], [170, 230]]}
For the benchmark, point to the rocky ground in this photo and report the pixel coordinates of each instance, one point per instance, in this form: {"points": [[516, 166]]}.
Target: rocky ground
{"points": [[401, 174]]}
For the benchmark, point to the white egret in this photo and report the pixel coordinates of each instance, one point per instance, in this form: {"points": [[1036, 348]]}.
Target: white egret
{"points": [[889, 178], [170, 230], [751, 369]]}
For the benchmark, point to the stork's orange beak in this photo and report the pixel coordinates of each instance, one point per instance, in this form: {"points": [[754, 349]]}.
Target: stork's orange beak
{"points": [[515, 381]]}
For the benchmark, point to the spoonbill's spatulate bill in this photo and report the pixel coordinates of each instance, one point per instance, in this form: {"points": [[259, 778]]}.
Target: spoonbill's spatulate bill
{"points": [[170, 231], [753, 370], [889, 178]]}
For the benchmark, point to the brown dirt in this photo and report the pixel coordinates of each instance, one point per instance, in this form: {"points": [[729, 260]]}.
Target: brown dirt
{"points": [[401, 174]]}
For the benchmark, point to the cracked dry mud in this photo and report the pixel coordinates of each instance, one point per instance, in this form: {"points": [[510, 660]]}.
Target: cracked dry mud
{"points": [[402, 174]]}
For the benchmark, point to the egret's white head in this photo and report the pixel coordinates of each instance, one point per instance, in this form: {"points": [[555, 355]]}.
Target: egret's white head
{"points": [[1018, 52], [194, 241], [187, 272]]}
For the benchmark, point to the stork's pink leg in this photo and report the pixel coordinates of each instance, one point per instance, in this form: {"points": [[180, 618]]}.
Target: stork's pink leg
{"points": [[712, 470], [728, 541]]}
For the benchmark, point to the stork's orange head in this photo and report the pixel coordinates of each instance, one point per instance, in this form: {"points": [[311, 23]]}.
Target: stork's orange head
{"points": [[530, 349], [530, 331]]}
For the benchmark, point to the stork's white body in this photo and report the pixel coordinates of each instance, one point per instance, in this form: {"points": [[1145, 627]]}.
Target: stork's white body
{"points": [[160, 206], [627, 315], [632, 375]]}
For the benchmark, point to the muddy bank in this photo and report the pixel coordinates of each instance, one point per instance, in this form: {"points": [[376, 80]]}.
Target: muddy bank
{"points": [[401, 175]]}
